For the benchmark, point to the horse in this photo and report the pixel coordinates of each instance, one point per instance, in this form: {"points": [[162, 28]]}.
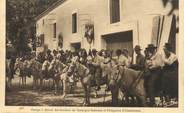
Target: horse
{"points": [[36, 71], [86, 79], [65, 78], [55, 70], [46, 74], [9, 72], [130, 83], [24, 70]]}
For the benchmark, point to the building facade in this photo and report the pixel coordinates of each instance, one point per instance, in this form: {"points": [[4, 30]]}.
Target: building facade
{"points": [[114, 24]]}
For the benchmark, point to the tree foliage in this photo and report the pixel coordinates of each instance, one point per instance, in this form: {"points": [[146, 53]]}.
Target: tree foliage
{"points": [[20, 21]]}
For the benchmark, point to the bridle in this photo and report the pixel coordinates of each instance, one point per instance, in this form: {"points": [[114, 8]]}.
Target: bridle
{"points": [[75, 71], [118, 74]]}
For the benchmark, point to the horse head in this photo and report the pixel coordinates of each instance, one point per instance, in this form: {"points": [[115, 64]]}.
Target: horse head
{"points": [[45, 65], [71, 68], [17, 64], [52, 65], [115, 75]]}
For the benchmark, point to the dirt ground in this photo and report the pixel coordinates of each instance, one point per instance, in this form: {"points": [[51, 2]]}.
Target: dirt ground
{"points": [[19, 96]]}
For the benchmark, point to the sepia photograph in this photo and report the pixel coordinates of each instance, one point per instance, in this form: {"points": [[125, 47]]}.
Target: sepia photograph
{"points": [[92, 53]]}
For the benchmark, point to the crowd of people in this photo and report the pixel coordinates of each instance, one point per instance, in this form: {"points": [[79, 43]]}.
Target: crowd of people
{"points": [[93, 59]]}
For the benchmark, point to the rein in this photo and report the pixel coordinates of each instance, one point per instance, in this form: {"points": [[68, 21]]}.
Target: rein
{"points": [[86, 72], [138, 78], [122, 75]]}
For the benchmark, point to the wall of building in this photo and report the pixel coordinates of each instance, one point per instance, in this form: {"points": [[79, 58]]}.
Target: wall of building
{"points": [[136, 15]]}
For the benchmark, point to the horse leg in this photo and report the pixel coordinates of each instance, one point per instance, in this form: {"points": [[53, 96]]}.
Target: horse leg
{"points": [[41, 83], [22, 84], [56, 83], [85, 94], [115, 92], [10, 82], [132, 101], [53, 83], [20, 80], [96, 93], [37, 83], [34, 83], [25, 81], [126, 99], [88, 94], [141, 95], [64, 88]]}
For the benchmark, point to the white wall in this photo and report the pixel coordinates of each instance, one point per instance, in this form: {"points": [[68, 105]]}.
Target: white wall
{"points": [[136, 15]]}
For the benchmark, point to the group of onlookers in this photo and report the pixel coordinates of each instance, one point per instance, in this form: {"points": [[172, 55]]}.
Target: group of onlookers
{"points": [[97, 61]]}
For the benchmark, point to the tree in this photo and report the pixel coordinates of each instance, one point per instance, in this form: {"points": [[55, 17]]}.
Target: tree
{"points": [[20, 21]]}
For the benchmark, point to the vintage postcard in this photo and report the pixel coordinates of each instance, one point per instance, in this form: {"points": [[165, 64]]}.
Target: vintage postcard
{"points": [[91, 56]]}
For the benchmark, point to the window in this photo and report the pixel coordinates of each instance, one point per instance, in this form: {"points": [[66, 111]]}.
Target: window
{"points": [[74, 23], [54, 30], [40, 40], [114, 11]]}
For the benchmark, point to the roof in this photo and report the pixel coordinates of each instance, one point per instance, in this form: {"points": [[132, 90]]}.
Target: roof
{"points": [[53, 6]]}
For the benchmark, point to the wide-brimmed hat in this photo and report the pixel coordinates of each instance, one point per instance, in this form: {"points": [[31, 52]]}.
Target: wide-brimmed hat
{"points": [[54, 51], [151, 47], [94, 50], [137, 48], [168, 46], [125, 50], [48, 51], [118, 51]]}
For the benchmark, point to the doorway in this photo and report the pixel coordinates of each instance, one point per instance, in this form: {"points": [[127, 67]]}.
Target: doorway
{"points": [[119, 41]]}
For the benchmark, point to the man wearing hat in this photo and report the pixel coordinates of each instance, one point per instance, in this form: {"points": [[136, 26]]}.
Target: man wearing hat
{"points": [[127, 58], [48, 56], [170, 58], [170, 72], [96, 62], [55, 53], [154, 63], [140, 59]]}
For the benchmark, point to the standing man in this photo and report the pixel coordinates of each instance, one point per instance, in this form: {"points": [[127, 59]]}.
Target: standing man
{"points": [[155, 63], [140, 59], [170, 59], [120, 58], [128, 59], [170, 72], [97, 59]]}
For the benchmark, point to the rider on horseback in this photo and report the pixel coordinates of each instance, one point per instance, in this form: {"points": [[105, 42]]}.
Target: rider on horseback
{"points": [[48, 56], [97, 59]]}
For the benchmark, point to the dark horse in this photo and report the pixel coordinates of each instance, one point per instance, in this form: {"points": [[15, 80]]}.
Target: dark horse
{"points": [[9, 72]]}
